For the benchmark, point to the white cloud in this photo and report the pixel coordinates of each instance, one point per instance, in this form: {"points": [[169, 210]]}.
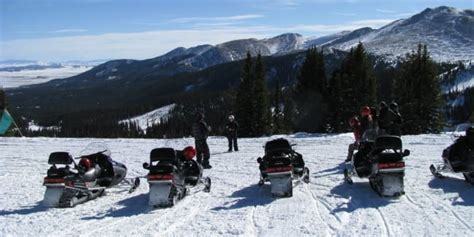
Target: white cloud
{"points": [[68, 31], [120, 45], [385, 11], [142, 45], [344, 14], [322, 29], [224, 18]]}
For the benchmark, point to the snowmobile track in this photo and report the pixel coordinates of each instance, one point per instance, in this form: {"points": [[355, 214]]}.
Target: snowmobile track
{"points": [[385, 223], [188, 216], [159, 222], [453, 212], [251, 227], [315, 202]]}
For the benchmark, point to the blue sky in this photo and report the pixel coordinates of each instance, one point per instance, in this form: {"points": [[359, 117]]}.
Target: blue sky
{"points": [[58, 30]]}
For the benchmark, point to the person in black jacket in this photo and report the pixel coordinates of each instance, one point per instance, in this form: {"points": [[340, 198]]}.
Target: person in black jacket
{"points": [[200, 132], [396, 128], [231, 130], [385, 119]]}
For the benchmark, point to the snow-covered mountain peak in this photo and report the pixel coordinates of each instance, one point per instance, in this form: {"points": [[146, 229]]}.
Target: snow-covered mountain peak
{"points": [[448, 33], [284, 43]]}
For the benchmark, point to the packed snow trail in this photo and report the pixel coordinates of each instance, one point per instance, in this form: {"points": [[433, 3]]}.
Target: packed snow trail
{"points": [[236, 205]]}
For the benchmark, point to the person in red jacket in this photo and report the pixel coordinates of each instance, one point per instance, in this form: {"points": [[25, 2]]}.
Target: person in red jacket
{"points": [[356, 129]]}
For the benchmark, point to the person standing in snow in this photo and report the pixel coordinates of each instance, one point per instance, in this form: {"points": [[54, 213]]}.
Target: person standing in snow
{"points": [[201, 132], [385, 119], [396, 128], [231, 132], [355, 125], [366, 121]]}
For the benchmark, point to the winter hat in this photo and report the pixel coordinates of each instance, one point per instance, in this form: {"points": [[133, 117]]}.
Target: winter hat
{"points": [[393, 105], [353, 121], [365, 111], [231, 117]]}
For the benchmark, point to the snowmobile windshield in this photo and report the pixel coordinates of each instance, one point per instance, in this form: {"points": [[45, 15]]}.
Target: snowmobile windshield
{"points": [[94, 148], [460, 129], [369, 135]]}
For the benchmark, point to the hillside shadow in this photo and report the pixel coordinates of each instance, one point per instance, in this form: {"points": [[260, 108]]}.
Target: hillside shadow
{"points": [[359, 195], [455, 185], [27, 210], [250, 196], [133, 206]]}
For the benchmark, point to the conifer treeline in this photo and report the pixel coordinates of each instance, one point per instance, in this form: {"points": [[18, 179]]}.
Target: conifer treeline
{"points": [[319, 101]]}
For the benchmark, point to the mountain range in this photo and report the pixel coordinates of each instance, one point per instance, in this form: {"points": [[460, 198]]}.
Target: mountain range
{"points": [[448, 32]]}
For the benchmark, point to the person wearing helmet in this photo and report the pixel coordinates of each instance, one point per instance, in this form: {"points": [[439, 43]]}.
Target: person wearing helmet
{"points": [[84, 164], [366, 120], [188, 153], [231, 131], [354, 123], [201, 132]]}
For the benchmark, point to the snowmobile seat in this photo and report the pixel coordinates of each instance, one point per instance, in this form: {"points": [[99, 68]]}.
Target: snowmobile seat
{"points": [[60, 158], [388, 142], [163, 155], [103, 161], [278, 146], [389, 157]]}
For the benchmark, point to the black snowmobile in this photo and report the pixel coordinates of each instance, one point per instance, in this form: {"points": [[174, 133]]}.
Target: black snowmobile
{"points": [[280, 165], [458, 158], [379, 158], [69, 183], [171, 174]]}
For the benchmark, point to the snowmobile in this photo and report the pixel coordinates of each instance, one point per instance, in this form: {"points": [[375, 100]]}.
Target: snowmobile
{"points": [[379, 158], [69, 183], [280, 166], [171, 174], [458, 158]]}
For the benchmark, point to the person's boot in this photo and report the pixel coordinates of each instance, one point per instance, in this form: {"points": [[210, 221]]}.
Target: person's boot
{"points": [[206, 166]]}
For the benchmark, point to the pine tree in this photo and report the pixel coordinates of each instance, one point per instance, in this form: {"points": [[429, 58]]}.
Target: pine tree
{"points": [[262, 118], [417, 89], [244, 100], [277, 117], [351, 87], [289, 114], [311, 90]]}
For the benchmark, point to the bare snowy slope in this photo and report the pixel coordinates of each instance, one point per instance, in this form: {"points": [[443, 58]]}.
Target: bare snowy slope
{"points": [[236, 206], [151, 118], [448, 32]]}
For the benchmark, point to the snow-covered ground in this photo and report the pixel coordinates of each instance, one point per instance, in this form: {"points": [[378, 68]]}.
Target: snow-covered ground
{"points": [[236, 206], [151, 118], [29, 77]]}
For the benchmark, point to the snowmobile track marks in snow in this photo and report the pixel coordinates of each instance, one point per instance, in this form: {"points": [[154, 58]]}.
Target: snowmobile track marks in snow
{"points": [[250, 227], [156, 222], [188, 217], [453, 212], [386, 226], [314, 200]]}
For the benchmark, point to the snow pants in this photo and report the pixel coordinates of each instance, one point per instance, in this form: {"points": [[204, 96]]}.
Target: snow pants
{"points": [[232, 141], [202, 151]]}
